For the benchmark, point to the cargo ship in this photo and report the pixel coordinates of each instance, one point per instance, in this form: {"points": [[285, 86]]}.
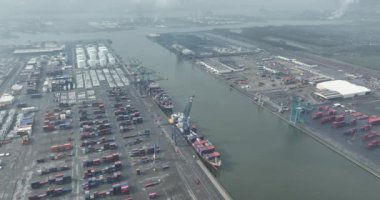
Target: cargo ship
{"points": [[160, 97], [202, 147], [164, 101]]}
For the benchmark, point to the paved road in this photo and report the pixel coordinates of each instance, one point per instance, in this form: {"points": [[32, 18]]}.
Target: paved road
{"points": [[177, 182]]}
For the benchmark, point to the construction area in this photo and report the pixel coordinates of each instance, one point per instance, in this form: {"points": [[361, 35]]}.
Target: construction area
{"points": [[75, 127]]}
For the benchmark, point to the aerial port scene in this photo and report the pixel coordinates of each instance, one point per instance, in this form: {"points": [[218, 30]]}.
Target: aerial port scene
{"points": [[167, 100]]}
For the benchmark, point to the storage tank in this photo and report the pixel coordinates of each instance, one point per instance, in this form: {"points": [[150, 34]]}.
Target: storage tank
{"points": [[111, 59], [81, 57], [92, 56], [103, 50], [103, 62], [92, 63], [81, 64]]}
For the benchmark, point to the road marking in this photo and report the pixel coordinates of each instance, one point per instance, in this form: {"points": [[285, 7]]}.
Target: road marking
{"points": [[375, 101], [221, 190], [185, 181]]}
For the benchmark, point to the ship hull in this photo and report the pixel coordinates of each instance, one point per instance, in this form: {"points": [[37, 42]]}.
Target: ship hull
{"points": [[164, 108], [163, 101], [214, 166], [210, 164]]}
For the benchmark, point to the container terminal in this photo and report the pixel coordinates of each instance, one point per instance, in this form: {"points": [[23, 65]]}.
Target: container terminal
{"points": [[76, 126], [332, 101]]}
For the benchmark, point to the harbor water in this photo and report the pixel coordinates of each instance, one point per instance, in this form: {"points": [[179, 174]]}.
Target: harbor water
{"points": [[263, 157]]}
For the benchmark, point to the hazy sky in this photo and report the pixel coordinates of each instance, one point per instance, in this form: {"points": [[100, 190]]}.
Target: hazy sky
{"points": [[15, 7], [87, 5]]}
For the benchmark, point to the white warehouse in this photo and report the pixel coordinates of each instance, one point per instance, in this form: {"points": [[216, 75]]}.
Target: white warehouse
{"points": [[340, 89]]}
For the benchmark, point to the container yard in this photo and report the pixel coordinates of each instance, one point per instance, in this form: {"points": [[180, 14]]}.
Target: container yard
{"points": [[83, 132], [329, 102], [251, 140]]}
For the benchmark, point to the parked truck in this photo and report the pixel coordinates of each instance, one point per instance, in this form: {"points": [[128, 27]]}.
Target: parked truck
{"points": [[62, 147]]}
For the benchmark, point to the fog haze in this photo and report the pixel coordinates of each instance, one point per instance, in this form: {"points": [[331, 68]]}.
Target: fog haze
{"points": [[137, 56], [14, 7]]}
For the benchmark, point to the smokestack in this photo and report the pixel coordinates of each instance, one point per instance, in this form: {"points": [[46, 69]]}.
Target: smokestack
{"points": [[343, 6]]}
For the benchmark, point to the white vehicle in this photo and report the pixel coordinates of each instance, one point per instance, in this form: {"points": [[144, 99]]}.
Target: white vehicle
{"points": [[4, 154], [336, 105]]}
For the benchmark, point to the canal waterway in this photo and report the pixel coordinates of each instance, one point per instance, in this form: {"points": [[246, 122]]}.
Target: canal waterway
{"points": [[263, 157]]}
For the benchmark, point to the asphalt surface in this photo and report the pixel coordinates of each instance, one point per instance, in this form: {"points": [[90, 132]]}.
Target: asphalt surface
{"points": [[183, 179]]}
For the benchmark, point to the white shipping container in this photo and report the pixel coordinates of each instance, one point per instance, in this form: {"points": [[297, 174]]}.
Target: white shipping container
{"points": [[29, 110]]}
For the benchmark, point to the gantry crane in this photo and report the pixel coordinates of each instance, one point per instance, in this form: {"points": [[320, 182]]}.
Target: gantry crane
{"points": [[142, 78], [297, 111], [185, 120], [186, 115]]}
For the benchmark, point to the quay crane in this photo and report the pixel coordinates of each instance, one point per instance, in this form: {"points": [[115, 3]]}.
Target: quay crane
{"points": [[186, 115], [143, 77], [297, 110], [181, 120]]}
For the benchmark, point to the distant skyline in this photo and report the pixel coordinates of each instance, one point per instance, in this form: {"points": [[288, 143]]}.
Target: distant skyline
{"points": [[165, 7], [12, 6]]}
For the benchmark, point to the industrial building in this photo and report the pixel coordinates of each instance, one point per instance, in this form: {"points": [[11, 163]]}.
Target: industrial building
{"points": [[6, 100], [270, 70], [339, 89], [217, 67]]}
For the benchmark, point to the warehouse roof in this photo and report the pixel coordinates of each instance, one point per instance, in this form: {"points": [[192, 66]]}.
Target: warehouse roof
{"points": [[327, 94], [6, 98], [344, 88]]}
